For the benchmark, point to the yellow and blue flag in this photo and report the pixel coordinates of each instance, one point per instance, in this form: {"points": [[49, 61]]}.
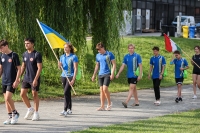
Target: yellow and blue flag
{"points": [[54, 38]]}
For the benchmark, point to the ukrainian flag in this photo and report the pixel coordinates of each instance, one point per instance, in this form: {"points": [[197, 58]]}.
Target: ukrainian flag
{"points": [[54, 38]]}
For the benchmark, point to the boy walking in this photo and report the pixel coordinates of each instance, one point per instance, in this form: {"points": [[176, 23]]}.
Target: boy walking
{"points": [[132, 61], [10, 70], [32, 65], [104, 59], [181, 64], [157, 65]]}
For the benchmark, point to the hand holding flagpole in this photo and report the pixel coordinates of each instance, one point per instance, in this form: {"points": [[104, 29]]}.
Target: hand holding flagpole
{"points": [[171, 46], [55, 56]]}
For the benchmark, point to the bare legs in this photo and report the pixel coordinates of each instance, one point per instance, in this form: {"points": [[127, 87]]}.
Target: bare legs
{"points": [[9, 102], [132, 92], [194, 79], [104, 94], [179, 86], [26, 100]]}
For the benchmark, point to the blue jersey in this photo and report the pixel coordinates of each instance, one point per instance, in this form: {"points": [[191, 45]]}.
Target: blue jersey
{"points": [[68, 64], [179, 63], [104, 61], [157, 62], [132, 62]]}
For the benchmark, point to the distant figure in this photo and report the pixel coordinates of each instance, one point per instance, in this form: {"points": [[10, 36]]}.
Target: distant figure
{"points": [[181, 64], [32, 66], [106, 61], [157, 67], [196, 70], [69, 62], [132, 61], [10, 71]]}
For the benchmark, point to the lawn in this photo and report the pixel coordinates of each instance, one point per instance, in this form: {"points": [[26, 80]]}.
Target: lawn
{"points": [[51, 86], [186, 122]]}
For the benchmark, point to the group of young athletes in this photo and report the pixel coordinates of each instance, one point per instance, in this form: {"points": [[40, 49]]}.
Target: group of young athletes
{"points": [[11, 71]]}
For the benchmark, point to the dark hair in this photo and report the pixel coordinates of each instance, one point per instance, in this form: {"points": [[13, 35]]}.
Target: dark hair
{"points": [[70, 46], [155, 48], [99, 45], [30, 40], [3, 43], [197, 47], [177, 52]]}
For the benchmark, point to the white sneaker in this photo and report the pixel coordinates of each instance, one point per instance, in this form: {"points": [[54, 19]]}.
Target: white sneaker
{"points": [[62, 113], [29, 114], [157, 103], [69, 111], [36, 116], [194, 97], [14, 118], [65, 113], [8, 121]]}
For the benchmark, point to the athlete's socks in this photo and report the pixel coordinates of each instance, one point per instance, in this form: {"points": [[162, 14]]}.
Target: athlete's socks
{"points": [[30, 108], [14, 112], [10, 115]]}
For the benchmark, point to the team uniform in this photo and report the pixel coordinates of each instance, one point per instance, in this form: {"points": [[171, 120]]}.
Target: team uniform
{"points": [[132, 62], [31, 60], [157, 62], [9, 64], [68, 66], [104, 61], [196, 69], [179, 63]]}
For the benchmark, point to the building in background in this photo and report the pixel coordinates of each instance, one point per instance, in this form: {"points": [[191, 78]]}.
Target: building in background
{"points": [[151, 14]]}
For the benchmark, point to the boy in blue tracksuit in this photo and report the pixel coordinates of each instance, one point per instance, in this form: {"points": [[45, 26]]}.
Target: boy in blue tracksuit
{"points": [[157, 67], [181, 64], [132, 60]]}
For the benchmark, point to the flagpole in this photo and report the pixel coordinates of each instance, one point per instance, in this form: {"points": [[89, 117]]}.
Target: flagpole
{"points": [[187, 55], [190, 59], [56, 56]]}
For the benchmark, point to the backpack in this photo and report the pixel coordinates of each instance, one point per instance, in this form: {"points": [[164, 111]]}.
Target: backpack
{"points": [[36, 53], [137, 71], [12, 57], [185, 73], [109, 63]]}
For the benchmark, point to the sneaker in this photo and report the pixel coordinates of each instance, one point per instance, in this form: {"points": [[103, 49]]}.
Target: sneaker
{"points": [[69, 111], [29, 114], [180, 99], [14, 118], [158, 103], [62, 113], [177, 100], [194, 97], [36, 116], [8, 121], [65, 114]]}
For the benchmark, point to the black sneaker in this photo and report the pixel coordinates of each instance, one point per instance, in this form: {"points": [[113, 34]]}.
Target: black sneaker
{"points": [[124, 104], [176, 100], [180, 99]]}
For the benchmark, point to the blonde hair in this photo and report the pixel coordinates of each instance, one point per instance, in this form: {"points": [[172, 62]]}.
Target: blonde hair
{"points": [[131, 45]]}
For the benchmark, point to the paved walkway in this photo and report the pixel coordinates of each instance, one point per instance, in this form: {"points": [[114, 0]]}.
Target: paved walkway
{"points": [[85, 114]]}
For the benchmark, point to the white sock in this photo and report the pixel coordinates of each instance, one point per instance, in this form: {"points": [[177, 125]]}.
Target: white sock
{"points": [[30, 108], [36, 112]]}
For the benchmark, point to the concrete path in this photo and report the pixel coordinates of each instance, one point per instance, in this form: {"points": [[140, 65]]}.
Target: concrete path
{"points": [[85, 114]]}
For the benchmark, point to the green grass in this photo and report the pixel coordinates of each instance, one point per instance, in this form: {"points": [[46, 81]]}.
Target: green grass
{"points": [[186, 122], [51, 86]]}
